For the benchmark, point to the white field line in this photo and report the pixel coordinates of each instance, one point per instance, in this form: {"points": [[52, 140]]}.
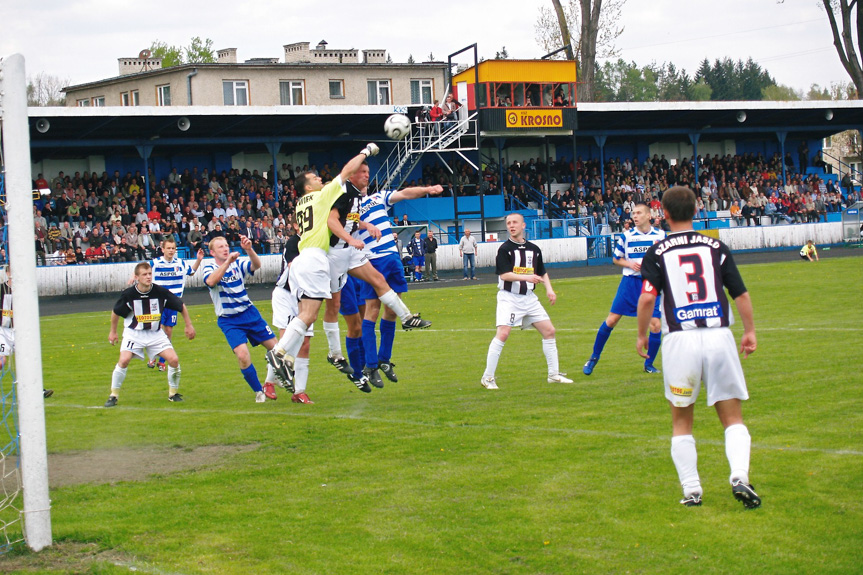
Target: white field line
{"points": [[356, 416]]}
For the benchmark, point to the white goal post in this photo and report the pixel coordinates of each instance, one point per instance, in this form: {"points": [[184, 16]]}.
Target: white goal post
{"points": [[22, 255]]}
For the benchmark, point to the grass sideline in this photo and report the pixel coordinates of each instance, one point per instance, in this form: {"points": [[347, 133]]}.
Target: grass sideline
{"points": [[436, 475]]}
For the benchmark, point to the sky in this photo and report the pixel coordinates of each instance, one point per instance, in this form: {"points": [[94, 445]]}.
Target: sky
{"points": [[81, 40]]}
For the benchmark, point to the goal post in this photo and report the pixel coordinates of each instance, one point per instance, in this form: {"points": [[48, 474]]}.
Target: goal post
{"points": [[22, 255]]}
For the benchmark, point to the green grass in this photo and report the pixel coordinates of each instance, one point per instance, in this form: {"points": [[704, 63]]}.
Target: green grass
{"points": [[436, 475]]}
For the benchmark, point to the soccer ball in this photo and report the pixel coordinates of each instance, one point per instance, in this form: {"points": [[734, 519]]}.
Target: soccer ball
{"points": [[397, 126]]}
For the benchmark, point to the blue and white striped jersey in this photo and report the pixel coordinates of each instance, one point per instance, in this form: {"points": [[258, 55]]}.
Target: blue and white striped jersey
{"points": [[374, 209], [633, 244], [229, 296], [171, 275]]}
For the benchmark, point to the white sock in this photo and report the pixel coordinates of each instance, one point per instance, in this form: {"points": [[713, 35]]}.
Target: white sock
{"points": [[271, 374], [293, 338], [737, 447], [174, 377], [395, 303], [301, 374], [494, 350], [331, 330], [549, 348], [685, 459], [117, 379]]}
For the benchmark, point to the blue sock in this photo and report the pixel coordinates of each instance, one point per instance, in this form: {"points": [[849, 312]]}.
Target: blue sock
{"points": [[388, 337], [601, 337], [251, 377], [370, 344], [653, 343], [161, 360], [354, 345]]}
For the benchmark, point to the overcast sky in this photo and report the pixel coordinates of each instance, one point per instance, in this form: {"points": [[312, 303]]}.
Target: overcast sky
{"points": [[81, 40]]}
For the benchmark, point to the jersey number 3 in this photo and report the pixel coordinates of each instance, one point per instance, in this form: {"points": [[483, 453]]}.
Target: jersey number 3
{"points": [[305, 219], [695, 277]]}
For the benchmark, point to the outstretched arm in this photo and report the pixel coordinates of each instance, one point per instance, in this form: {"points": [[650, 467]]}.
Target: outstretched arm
{"points": [[414, 193]]}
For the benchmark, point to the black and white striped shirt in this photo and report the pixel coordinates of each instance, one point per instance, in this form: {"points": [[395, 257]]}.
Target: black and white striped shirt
{"points": [[523, 258], [348, 205], [691, 272], [143, 311], [6, 301]]}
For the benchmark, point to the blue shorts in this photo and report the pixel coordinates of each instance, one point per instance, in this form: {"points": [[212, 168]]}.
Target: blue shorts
{"points": [[245, 326], [351, 297], [418, 261], [626, 300], [169, 317], [393, 270]]}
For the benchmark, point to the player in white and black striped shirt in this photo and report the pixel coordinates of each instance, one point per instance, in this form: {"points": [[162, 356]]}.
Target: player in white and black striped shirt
{"points": [[519, 268], [691, 271], [142, 307]]}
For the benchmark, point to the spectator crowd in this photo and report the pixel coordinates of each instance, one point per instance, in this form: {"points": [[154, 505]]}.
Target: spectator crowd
{"points": [[91, 218]]}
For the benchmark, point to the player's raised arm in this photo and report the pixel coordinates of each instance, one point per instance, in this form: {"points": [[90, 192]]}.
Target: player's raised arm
{"points": [[354, 164], [414, 193], [198, 259], [246, 244]]}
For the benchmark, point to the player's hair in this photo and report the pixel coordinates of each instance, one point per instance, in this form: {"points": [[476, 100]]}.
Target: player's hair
{"points": [[645, 204], [679, 203], [169, 239], [300, 182], [212, 242], [141, 266]]}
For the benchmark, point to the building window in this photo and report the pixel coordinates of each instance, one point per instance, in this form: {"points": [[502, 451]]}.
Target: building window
{"points": [[99, 101], [135, 99], [236, 92], [124, 99], [421, 92], [379, 92], [84, 103], [828, 142], [337, 89], [292, 92], [163, 95]]}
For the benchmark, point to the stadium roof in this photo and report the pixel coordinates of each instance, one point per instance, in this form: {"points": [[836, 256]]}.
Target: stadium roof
{"points": [[77, 131]]}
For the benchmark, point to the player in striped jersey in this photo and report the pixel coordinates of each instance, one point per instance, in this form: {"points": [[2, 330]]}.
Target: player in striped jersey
{"points": [[239, 319], [142, 307], [691, 271], [7, 323], [631, 246], [170, 272], [385, 257], [519, 268]]}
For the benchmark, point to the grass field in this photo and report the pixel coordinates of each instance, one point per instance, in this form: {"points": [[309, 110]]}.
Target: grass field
{"points": [[436, 475]]}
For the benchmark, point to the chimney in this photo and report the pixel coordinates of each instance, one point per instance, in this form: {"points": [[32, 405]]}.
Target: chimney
{"points": [[226, 56]]}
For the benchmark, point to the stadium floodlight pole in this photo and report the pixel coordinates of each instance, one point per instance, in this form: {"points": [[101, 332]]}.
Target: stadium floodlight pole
{"points": [[22, 255]]}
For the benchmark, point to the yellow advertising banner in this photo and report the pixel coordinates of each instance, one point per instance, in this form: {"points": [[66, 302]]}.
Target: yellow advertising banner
{"points": [[534, 118]]}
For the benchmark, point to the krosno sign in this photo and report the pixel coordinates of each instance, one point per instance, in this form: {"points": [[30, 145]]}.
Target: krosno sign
{"points": [[534, 118]]}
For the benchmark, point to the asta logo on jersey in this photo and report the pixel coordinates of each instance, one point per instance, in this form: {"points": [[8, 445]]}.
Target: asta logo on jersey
{"points": [[698, 311]]}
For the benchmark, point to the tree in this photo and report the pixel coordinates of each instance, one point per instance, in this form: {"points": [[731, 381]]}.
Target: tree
{"points": [[200, 51], [170, 55], [46, 90], [502, 54], [836, 91], [431, 57], [598, 30], [780, 93], [731, 80], [847, 42], [411, 59], [389, 59], [197, 52]]}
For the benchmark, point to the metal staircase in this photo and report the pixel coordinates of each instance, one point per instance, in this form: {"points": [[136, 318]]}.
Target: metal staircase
{"points": [[456, 136]]}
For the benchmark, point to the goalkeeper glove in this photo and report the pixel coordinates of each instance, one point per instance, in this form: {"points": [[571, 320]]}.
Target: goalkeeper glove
{"points": [[371, 149]]}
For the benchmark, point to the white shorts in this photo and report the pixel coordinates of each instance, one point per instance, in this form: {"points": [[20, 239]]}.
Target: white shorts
{"points": [[285, 308], [515, 309], [706, 355], [140, 342], [7, 341], [310, 274], [341, 261]]}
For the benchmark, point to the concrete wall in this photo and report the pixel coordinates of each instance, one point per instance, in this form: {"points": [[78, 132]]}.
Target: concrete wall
{"points": [[112, 278]]}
